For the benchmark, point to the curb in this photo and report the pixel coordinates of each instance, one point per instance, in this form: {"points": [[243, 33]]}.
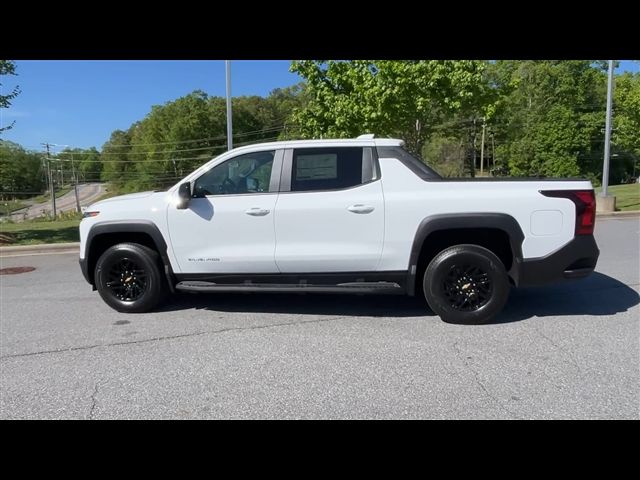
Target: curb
{"points": [[41, 248], [632, 213]]}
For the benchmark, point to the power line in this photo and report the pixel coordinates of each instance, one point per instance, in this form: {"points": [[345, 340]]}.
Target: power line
{"points": [[243, 134], [174, 159], [151, 152], [222, 137], [23, 193], [205, 160]]}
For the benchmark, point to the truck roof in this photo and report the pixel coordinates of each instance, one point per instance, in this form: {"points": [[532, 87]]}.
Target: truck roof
{"points": [[363, 140]]}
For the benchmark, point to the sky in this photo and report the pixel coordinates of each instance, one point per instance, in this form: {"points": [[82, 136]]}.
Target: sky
{"points": [[79, 103]]}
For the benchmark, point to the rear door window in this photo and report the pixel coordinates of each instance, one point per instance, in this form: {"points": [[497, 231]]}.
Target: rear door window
{"points": [[330, 168]]}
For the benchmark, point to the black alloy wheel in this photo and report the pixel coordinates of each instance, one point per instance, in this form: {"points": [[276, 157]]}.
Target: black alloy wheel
{"points": [[126, 279], [129, 278], [466, 284], [467, 287]]}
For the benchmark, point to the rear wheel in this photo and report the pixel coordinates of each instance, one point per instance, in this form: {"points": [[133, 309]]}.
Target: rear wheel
{"points": [[466, 284], [129, 279]]}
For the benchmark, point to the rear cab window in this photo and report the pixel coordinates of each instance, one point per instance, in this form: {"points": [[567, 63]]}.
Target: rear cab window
{"points": [[413, 163]]}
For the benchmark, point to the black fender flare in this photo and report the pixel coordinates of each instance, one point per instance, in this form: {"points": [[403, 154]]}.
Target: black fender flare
{"points": [[128, 226], [433, 223]]}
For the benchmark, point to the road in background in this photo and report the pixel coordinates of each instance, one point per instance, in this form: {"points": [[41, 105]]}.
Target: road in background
{"points": [[87, 194], [565, 351]]}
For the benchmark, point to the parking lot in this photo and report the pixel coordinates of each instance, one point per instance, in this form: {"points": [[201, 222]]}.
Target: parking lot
{"points": [[565, 351]]}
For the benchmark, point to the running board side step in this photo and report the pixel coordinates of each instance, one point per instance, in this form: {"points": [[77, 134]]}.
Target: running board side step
{"points": [[350, 287]]}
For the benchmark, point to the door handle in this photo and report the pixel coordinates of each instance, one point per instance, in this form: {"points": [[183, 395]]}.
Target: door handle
{"points": [[359, 208], [257, 212]]}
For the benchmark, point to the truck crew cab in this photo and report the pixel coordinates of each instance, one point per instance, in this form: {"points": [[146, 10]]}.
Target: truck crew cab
{"points": [[354, 216]]}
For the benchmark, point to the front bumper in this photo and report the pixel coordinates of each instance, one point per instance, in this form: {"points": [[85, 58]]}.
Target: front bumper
{"points": [[84, 266], [576, 259]]}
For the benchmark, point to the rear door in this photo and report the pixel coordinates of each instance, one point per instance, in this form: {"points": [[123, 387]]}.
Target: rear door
{"points": [[329, 216]]}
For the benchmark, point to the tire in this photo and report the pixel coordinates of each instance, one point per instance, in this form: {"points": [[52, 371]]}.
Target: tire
{"points": [[129, 279], [466, 284]]}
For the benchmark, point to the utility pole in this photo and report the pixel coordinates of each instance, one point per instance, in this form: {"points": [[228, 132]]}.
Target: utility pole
{"points": [[75, 183], [484, 127], [607, 132], [607, 202], [45, 174], [227, 67], [493, 150], [473, 165], [51, 186]]}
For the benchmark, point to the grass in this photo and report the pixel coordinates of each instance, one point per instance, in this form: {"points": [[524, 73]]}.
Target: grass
{"points": [[627, 196], [9, 206], [45, 230], [32, 233]]}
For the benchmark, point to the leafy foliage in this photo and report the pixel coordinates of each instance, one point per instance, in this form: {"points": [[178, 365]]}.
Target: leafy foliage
{"points": [[540, 118], [115, 157], [85, 163], [550, 117], [20, 170], [177, 137], [7, 67], [626, 132], [406, 99]]}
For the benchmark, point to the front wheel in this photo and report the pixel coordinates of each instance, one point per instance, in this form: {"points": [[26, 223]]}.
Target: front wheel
{"points": [[466, 284], [128, 278]]}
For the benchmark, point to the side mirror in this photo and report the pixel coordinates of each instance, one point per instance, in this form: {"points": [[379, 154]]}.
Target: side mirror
{"points": [[184, 195]]}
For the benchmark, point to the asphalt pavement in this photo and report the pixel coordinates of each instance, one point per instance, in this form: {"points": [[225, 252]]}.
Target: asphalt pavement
{"points": [[570, 350]]}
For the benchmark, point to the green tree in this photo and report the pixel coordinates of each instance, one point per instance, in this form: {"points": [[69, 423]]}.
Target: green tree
{"points": [[626, 123], [168, 142], [20, 170], [549, 117], [117, 167], [7, 67], [177, 137], [281, 103], [86, 163], [406, 99]]}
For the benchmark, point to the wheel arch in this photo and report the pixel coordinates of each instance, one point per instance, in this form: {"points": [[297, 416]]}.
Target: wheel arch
{"points": [[437, 225], [103, 235]]}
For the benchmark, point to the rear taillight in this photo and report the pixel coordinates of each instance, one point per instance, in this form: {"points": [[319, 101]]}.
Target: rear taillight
{"points": [[585, 202]]}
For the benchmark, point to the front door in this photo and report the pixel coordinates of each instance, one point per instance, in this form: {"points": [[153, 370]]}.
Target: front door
{"points": [[228, 225]]}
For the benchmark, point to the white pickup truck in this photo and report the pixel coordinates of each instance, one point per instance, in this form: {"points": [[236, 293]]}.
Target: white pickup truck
{"points": [[353, 216]]}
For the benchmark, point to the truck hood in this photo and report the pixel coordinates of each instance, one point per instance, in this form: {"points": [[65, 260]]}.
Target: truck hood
{"points": [[130, 196]]}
